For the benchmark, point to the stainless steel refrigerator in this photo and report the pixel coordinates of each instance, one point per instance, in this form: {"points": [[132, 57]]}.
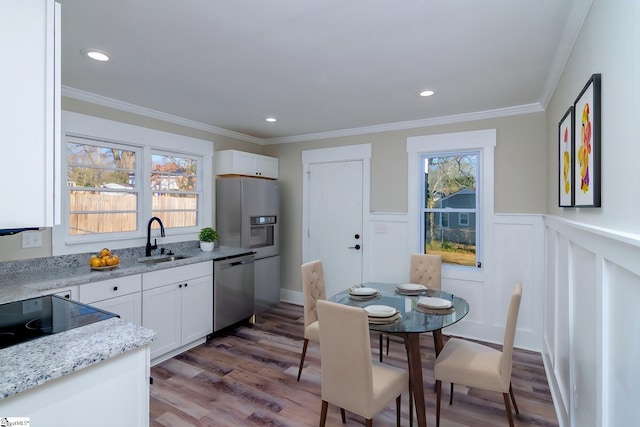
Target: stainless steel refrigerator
{"points": [[248, 216]]}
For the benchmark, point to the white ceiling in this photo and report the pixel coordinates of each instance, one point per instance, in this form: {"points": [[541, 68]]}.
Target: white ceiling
{"points": [[318, 65]]}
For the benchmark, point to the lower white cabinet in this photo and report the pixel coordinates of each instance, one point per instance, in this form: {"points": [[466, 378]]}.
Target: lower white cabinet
{"points": [[121, 296], [178, 304]]}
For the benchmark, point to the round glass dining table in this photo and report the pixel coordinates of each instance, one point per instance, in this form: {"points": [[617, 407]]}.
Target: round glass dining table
{"points": [[415, 319]]}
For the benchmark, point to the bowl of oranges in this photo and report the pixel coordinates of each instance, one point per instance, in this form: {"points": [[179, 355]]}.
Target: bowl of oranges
{"points": [[104, 261]]}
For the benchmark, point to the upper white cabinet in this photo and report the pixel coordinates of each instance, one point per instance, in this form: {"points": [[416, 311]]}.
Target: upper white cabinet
{"points": [[30, 111], [234, 162]]}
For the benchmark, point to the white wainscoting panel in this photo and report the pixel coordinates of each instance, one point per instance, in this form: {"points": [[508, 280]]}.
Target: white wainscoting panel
{"points": [[388, 255], [591, 323]]}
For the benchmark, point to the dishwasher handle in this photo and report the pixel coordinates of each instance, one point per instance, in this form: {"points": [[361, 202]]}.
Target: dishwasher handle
{"points": [[246, 261]]}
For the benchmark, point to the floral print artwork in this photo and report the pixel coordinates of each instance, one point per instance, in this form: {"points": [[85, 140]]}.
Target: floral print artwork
{"points": [[584, 150]]}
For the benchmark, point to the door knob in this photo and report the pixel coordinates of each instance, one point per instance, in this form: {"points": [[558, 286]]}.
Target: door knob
{"points": [[356, 247], [356, 236]]}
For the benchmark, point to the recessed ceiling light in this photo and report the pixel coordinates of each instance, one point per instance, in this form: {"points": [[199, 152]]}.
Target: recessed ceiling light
{"points": [[427, 92], [98, 55], [271, 119]]}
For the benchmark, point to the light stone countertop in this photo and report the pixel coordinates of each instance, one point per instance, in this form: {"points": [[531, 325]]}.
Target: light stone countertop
{"points": [[35, 362]]}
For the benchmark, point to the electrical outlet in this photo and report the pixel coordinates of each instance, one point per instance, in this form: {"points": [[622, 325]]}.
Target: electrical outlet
{"points": [[31, 239]]}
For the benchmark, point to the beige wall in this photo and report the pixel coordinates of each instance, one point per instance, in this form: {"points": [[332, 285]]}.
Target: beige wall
{"points": [[520, 175]]}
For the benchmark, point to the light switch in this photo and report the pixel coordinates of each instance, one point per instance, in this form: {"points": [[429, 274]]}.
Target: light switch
{"points": [[31, 239]]}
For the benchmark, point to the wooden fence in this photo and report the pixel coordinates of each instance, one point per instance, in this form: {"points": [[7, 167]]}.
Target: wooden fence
{"points": [[117, 212]]}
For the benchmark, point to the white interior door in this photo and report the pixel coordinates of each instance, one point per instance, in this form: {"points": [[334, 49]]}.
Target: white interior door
{"points": [[335, 221]]}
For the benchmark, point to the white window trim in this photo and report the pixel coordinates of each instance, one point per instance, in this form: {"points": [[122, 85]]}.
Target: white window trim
{"points": [[480, 140], [102, 129]]}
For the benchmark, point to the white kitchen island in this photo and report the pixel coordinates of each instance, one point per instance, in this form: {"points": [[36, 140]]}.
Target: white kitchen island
{"points": [[95, 375]]}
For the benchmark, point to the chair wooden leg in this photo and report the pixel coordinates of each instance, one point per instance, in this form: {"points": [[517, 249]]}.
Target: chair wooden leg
{"points": [[369, 422], [410, 404], [343, 416], [513, 399], [304, 352], [323, 413], [398, 403], [438, 397], [451, 395], [387, 345], [507, 406], [381, 348]]}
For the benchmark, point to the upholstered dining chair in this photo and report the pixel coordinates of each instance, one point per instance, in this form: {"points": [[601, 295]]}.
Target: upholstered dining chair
{"points": [[476, 365], [312, 291], [424, 269], [350, 379]]}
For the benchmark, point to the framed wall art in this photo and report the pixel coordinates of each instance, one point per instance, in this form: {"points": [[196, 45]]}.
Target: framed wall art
{"points": [[586, 158], [565, 160]]}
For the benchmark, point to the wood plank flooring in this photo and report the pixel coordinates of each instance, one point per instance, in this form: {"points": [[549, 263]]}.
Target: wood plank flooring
{"points": [[247, 377]]}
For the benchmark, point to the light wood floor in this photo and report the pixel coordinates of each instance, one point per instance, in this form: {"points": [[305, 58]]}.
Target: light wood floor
{"points": [[247, 377]]}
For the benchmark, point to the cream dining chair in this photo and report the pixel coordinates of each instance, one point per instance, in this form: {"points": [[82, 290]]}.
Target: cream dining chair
{"points": [[350, 379], [424, 269], [476, 365], [312, 291]]}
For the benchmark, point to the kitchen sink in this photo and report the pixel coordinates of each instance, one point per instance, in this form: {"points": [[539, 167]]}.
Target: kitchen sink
{"points": [[161, 258]]}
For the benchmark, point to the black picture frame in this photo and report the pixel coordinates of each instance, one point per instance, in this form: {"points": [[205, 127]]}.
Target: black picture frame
{"points": [[566, 150], [587, 145]]}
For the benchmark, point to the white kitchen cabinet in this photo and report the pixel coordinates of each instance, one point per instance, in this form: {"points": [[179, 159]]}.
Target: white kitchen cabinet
{"points": [[234, 162], [69, 292], [122, 296], [177, 303], [30, 112]]}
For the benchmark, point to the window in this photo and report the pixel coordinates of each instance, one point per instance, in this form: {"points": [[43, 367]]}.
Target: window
{"points": [[174, 185], [450, 191], [103, 194], [451, 198], [119, 175]]}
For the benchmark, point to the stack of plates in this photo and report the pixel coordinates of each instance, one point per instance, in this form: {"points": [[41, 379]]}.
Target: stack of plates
{"points": [[411, 289], [382, 314], [363, 293], [435, 303]]}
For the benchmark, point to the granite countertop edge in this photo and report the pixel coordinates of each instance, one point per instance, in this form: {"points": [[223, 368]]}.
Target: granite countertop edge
{"points": [[36, 362], [16, 286]]}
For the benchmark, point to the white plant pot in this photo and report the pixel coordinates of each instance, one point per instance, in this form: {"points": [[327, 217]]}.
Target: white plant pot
{"points": [[207, 246]]}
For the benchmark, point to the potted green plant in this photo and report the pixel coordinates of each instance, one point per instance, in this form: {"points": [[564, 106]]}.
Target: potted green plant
{"points": [[207, 237]]}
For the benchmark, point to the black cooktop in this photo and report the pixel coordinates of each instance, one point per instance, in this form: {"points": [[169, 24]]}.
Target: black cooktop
{"points": [[33, 318]]}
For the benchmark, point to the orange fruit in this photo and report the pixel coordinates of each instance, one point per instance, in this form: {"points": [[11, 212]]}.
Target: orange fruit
{"points": [[116, 260], [95, 262], [104, 252], [109, 260], [103, 262]]}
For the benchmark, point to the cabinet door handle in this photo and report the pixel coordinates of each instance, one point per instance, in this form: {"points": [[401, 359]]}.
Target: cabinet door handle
{"points": [[115, 288], [185, 285], [179, 286]]}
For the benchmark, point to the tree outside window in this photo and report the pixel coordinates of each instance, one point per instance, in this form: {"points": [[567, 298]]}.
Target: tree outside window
{"points": [[450, 208]]}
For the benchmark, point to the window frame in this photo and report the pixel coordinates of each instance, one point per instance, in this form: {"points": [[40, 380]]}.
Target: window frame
{"points": [[147, 140], [483, 141]]}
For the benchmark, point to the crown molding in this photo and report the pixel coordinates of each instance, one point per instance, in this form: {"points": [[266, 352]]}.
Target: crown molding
{"points": [[436, 121], [104, 101], [577, 17]]}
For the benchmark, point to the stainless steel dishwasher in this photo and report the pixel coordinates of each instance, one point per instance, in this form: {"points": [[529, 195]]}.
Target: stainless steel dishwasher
{"points": [[233, 290]]}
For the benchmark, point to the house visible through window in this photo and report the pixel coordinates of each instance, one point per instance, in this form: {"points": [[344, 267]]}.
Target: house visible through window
{"points": [[174, 183], [450, 206]]}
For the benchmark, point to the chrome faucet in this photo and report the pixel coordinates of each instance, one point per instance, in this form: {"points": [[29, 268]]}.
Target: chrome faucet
{"points": [[155, 242]]}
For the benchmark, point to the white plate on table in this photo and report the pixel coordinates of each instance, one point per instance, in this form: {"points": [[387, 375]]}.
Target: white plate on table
{"points": [[363, 291], [380, 311], [411, 287], [437, 303]]}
